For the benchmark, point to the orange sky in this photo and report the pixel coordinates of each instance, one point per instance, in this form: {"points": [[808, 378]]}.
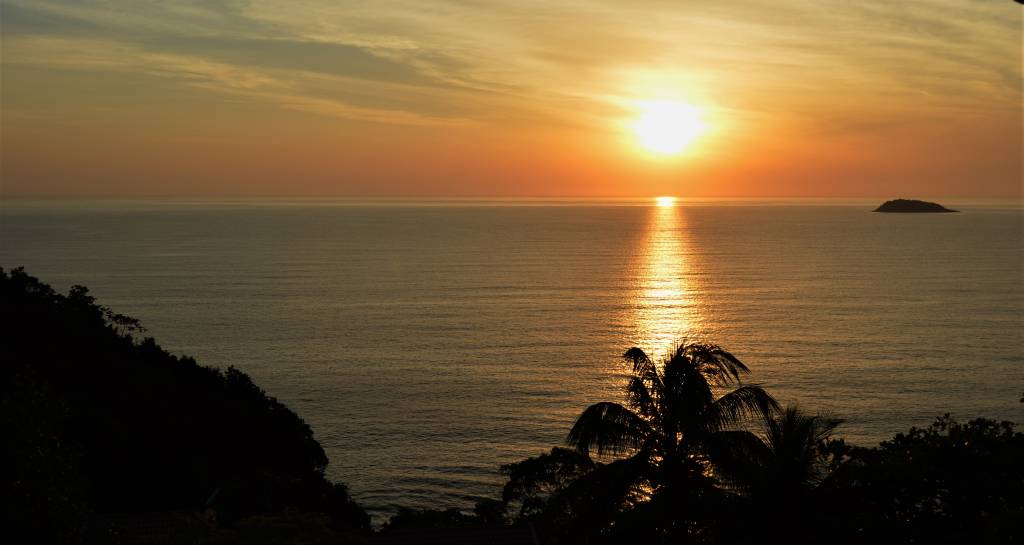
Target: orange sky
{"points": [[475, 98]]}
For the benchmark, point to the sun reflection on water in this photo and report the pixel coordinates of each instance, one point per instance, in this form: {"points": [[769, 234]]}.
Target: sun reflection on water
{"points": [[665, 301], [665, 201]]}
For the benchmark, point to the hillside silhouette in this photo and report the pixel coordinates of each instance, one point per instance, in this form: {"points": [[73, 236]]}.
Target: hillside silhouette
{"points": [[101, 424]]}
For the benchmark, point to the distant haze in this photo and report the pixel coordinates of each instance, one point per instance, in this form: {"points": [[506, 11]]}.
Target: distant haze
{"points": [[451, 98]]}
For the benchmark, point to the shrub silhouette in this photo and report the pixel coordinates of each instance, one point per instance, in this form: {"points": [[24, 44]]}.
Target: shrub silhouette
{"points": [[948, 483]]}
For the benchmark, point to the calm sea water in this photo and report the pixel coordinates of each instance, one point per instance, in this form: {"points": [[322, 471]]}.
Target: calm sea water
{"points": [[429, 343]]}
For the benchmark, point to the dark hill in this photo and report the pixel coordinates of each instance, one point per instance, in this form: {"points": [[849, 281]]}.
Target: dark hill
{"points": [[911, 206], [99, 423]]}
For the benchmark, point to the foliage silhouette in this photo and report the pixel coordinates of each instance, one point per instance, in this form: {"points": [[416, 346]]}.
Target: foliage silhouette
{"points": [[789, 481], [775, 474], [412, 519], [948, 483], [787, 459], [130, 428], [569, 497], [535, 483], [674, 422]]}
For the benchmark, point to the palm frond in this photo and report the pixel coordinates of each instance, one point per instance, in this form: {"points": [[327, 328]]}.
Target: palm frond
{"points": [[793, 425], [826, 426], [744, 402], [687, 394], [738, 456], [636, 356], [640, 398], [713, 361], [794, 439], [644, 367], [609, 428]]}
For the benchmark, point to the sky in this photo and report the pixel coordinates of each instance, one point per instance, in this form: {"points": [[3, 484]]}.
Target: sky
{"points": [[474, 98]]}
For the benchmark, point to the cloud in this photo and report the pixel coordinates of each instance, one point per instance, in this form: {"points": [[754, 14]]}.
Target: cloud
{"points": [[185, 45], [286, 89], [532, 59]]}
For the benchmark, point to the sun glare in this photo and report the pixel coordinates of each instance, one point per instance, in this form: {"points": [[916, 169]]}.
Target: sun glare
{"points": [[667, 127], [665, 201]]}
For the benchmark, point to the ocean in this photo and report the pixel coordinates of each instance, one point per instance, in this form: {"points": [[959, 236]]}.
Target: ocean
{"points": [[428, 343]]}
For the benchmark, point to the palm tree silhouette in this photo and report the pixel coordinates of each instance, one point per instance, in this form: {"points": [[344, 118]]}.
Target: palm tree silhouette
{"points": [[777, 472], [786, 459], [677, 416]]}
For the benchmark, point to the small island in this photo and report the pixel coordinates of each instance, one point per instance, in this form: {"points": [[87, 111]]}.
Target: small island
{"points": [[911, 206]]}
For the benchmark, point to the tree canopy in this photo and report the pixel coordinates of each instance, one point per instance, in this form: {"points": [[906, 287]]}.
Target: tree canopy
{"points": [[99, 419]]}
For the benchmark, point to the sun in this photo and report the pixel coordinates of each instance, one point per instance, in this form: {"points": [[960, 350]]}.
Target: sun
{"points": [[667, 127]]}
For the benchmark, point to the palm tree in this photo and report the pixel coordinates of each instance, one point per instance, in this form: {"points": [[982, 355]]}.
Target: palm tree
{"points": [[786, 459], [676, 416], [777, 472]]}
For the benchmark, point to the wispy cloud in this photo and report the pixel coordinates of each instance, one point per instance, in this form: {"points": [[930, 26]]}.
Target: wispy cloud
{"points": [[821, 77], [538, 55]]}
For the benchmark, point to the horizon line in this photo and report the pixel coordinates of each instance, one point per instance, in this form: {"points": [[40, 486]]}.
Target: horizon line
{"points": [[481, 200]]}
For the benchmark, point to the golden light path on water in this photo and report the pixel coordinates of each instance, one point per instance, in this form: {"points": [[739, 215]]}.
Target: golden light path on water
{"points": [[666, 305]]}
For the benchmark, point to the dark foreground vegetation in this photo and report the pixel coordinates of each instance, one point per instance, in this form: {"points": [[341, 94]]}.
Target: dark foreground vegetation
{"points": [[103, 429], [107, 438]]}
